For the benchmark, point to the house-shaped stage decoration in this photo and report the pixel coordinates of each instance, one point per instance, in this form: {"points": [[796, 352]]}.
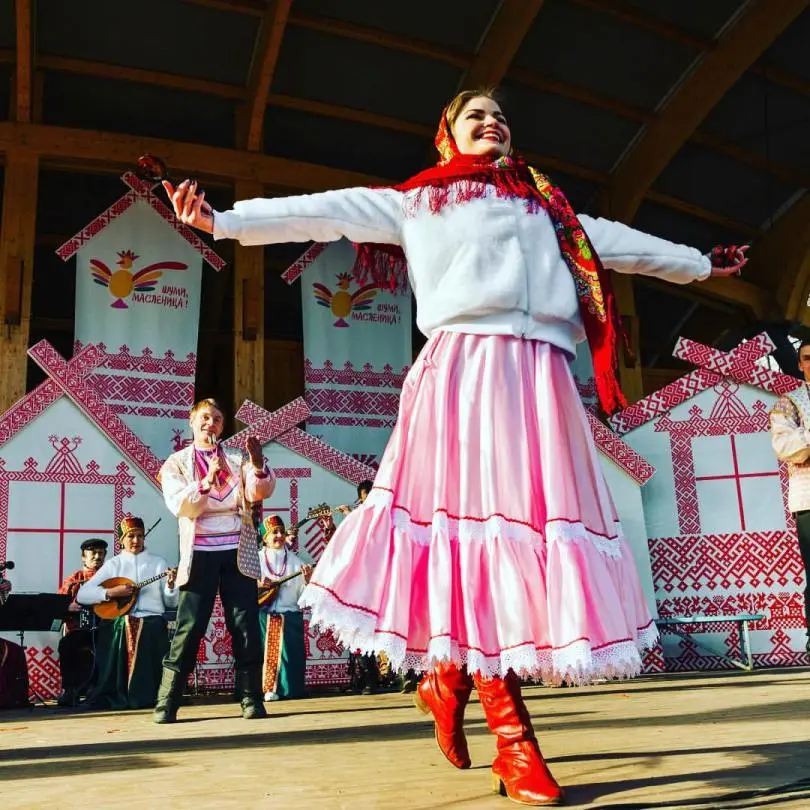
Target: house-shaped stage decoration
{"points": [[308, 472], [138, 287], [70, 469], [721, 539]]}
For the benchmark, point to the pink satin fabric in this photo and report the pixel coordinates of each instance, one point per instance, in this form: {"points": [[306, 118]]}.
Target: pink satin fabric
{"points": [[490, 537]]}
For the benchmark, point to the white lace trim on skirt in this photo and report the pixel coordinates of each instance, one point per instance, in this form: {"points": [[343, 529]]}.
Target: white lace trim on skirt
{"points": [[495, 526], [575, 663]]}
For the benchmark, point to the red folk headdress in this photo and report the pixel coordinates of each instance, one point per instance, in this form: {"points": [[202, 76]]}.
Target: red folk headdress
{"points": [[458, 178]]}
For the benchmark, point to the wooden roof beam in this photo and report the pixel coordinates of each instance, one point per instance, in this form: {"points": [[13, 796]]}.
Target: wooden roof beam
{"points": [[122, 150], [506, 32], [697, 95], [23, 72], [780, 260], [263, 66]]}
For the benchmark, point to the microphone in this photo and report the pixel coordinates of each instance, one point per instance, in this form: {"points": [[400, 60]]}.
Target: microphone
{"points": [[212, 440], [8, 565]]}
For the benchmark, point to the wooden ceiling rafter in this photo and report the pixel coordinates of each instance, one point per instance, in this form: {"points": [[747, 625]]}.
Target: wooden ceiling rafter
{"points": [[501, 42], [24, 61], [234, 92], [781, 259], [263, 66], [696, 95]]}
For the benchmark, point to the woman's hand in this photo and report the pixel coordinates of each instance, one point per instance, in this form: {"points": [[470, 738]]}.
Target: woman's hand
{"points": [[306, 573], [189, 206], [728, 260]]}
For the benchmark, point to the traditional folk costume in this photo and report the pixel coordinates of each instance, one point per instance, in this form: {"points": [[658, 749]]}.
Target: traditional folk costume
{"points": [[80, 642], [282, 624], [490, 557], [131, 664], [77, 645], [212, 545], [790, 436]]}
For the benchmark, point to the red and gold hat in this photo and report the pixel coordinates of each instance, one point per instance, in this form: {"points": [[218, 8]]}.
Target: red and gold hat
{"points": [[130, 523], [273, 521]]}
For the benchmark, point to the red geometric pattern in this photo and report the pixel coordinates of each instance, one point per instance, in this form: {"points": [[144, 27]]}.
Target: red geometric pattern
{"points": [[28, 408], [701, 564], [353, 421], [686, 495], [143, 389], [653, 661], [71, 378], [267, 426], [365, 377], [44, 680], [739, 364], [139, 190], [150, 411], [294, 271], [352, 401], [147, 362], [636, 466]]}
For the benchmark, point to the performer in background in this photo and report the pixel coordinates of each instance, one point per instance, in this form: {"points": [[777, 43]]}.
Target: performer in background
{"points": [[80, 643], [130, 666], [282, 621], [790, 436], [13, 665], [209, 490], [477, 558]]}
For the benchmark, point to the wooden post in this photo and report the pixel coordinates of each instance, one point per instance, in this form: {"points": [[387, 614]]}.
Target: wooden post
{"points": [[248, 315], [629, 367], [17, 236]]}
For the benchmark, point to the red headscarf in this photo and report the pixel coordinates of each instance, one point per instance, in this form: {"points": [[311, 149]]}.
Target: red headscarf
{"points": [[458, 178]]}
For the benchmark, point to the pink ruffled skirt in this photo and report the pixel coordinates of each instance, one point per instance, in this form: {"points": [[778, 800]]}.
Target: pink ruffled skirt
{"points": [[490, 537]]}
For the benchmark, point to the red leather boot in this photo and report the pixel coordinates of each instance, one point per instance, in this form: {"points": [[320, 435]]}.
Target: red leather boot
{"points": [[519, 770], [444, 693]]}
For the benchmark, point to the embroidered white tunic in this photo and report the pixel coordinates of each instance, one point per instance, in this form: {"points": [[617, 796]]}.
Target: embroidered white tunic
{"points": [[279, 563], [790, 437], [153, 599]]}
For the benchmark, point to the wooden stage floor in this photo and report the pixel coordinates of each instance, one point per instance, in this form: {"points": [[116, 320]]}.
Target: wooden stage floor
{"points": [[696, 741]]}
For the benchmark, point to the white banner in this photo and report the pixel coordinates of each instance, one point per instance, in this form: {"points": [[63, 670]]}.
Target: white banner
{"points": [[357, 349], [138, 293]]}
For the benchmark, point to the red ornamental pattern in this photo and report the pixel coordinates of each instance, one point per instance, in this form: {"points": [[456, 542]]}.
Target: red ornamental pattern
{"points": [[365, 377], [72, 382], [139, 190], [636, 466], [294, 271], [147, 362], [739, 364], [276, 426], [44, 680], [353, 421], [27, 409], [151, 411], [697, 564], [144, 390], [352, 401]]}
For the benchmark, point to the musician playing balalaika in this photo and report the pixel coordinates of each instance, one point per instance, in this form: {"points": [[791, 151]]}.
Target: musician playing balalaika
{"points": [[281, 620], [130, 669]]}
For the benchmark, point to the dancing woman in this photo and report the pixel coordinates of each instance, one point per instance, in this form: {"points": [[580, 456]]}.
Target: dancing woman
{"points": [[493, 539]]}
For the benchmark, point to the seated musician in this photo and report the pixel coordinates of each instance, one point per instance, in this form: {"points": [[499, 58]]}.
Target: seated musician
{"points": [[76, 656], [281, 620], [129, 675]]}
